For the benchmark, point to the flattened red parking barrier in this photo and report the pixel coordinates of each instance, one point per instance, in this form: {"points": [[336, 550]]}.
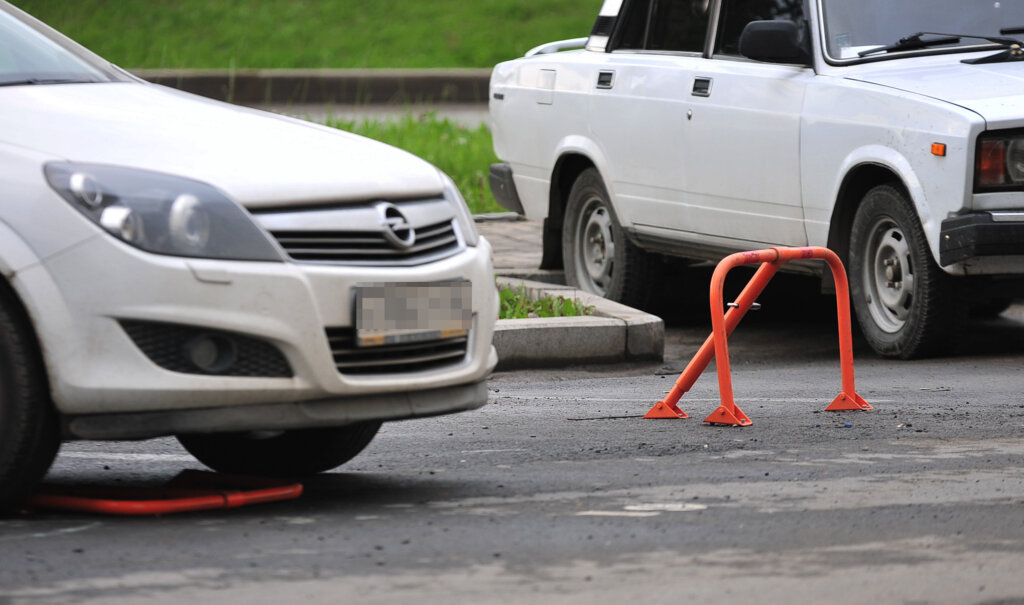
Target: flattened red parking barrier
{"points": [[189, 491], [716, 346]]}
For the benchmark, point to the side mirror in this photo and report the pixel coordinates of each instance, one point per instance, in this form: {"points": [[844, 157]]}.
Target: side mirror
{"points": [[775, 42]]}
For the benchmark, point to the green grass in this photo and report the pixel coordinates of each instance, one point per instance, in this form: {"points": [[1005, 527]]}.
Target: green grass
{"points": [[465, 154], [313, 33], [516, 304]]}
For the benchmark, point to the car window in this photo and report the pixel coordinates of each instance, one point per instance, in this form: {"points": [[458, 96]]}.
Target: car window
{"points": [[663, 25], [736, 14], [851, 27], [28, 56]]}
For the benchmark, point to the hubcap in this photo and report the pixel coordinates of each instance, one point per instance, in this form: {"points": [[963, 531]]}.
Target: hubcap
{"points": [[888, 276], [596, 247]]}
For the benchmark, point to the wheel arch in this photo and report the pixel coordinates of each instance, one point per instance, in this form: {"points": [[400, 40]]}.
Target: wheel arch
{"points": [[857, 182], [867, 167], [15, 258], [567, 169]]}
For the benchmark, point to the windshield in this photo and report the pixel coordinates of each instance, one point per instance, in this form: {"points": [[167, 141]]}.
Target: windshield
{"points": [[852, 26], [35, 55]]}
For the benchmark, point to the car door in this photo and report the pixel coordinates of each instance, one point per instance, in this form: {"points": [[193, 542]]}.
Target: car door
{"points": [[741, 161], [638, 106]]}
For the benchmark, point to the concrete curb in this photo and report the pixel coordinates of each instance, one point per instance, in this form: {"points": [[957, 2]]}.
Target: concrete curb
{"points": [[328, 86], [615, 332]]}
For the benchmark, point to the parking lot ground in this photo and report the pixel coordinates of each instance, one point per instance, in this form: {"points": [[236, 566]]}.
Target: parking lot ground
{"points": [[558, 491]]}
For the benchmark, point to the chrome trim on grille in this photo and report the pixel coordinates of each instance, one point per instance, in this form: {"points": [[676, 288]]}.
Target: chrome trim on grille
{"points": [[368, 247]]}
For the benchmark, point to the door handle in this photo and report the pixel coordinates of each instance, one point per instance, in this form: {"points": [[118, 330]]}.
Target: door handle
{"points": [[702, 87]]}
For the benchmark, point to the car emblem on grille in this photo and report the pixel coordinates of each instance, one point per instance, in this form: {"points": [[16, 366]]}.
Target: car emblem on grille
{"points": [[397, 229]]}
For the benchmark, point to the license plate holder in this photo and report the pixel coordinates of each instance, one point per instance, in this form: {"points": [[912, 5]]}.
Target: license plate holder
{"points": [[403, 313]]}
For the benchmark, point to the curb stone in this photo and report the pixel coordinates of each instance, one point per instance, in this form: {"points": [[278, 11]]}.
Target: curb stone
{"points": [[615, 333]]}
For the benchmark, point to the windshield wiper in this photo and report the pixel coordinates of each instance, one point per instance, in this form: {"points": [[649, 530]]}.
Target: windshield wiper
{"points": [[915, 42], [35, 81], [1012, 48], [912, 42]]}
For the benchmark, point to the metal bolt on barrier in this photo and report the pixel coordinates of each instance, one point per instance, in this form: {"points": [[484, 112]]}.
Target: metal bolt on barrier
{"points": [[716, 345]]}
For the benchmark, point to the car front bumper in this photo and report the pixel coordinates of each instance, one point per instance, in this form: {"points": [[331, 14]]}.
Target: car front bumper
{"points": [[980, 234], [278, 416], [80, 297]]}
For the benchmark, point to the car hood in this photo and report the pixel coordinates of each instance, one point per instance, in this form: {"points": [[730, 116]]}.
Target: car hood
{"points": [[995, 90], [259, 159]]}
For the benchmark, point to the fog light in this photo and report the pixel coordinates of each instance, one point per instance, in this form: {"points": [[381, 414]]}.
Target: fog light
{"points": [[211, 353]]}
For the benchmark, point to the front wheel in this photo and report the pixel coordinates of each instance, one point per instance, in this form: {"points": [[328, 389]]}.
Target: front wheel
{"points": [[29, 433], [904, 302], [292, 453], [596, 253]]}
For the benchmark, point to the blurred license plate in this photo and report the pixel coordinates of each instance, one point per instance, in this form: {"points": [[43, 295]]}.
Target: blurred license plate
{"points": [[400, 313]]}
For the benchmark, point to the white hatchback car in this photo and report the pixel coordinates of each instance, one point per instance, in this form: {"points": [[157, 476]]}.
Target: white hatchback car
{"points": [[699, 128], [268, 290]]}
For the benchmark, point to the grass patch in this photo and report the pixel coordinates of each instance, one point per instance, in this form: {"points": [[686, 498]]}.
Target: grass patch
{"points": [[239, 34], [465, 154], [516, 304]]}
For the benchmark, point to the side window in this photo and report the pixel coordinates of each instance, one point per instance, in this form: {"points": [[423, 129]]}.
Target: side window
{"points": [[633, 29], [664, 25], [737, 13]]}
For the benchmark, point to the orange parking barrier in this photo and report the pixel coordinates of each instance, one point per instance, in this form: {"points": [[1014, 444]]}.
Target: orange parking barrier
{"points": [[716, 345], [190, 490]]}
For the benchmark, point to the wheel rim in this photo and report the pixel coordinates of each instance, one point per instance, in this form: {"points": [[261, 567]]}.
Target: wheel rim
{"points": [[595, 247], [888, 275]]}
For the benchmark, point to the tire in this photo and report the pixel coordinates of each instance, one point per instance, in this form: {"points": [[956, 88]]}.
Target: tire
{"points": [[905, 304], [29, 432], [596, 253], [293, 453]]}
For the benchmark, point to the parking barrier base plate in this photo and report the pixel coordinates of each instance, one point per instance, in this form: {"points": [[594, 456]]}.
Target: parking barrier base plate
{"points": [[666, 410], [844, 402], [729, 417]]}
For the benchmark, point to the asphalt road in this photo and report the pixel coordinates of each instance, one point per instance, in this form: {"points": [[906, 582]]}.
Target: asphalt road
{"points": [[559, 492]]}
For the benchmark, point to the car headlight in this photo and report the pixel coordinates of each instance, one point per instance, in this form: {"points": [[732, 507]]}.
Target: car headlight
{"points": [[999, 162], [161, 213], [465, 220]]}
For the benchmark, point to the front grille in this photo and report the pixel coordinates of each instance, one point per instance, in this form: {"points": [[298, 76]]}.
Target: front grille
{"points": [[167, 346], [391, 359], [367, 233], [368, 247]]}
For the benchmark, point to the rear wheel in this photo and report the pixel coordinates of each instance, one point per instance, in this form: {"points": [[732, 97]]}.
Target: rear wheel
{"points": [[292, 453], [596, 253], [29, 435], [905, 303]]}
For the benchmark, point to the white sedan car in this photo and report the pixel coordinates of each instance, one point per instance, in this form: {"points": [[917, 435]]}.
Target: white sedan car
{"points": [[891, 131], [266, 289]]}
